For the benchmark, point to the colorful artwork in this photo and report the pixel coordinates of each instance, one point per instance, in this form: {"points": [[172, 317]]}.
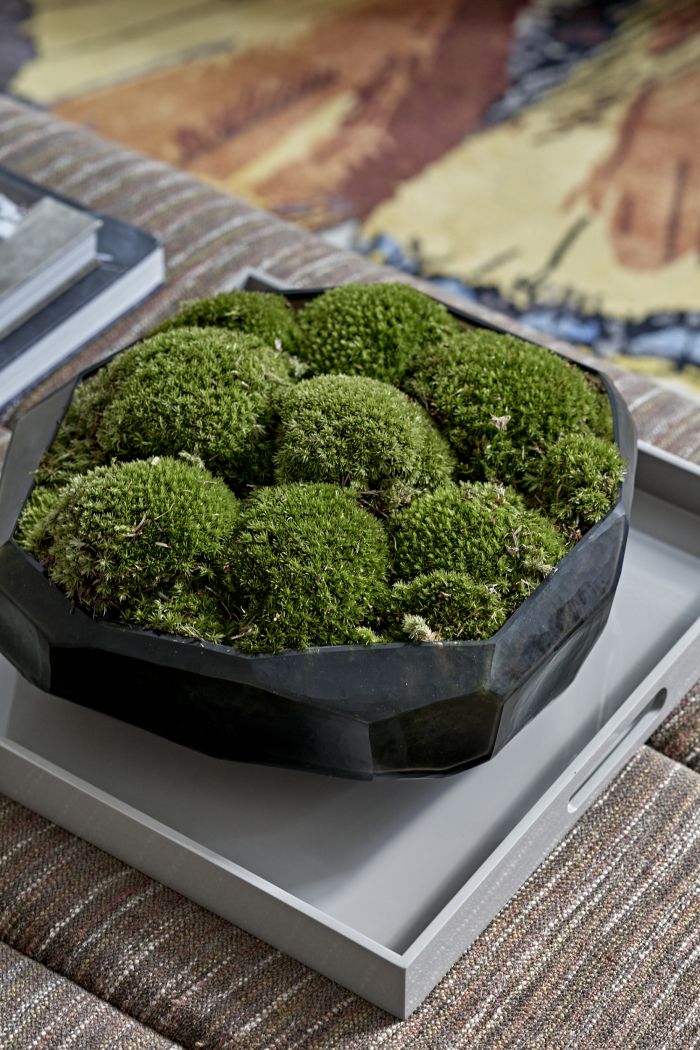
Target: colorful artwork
{"points": [[536, 155]]}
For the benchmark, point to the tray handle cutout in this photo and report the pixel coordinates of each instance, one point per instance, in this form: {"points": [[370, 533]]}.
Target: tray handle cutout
{"points": [[607, 767]]}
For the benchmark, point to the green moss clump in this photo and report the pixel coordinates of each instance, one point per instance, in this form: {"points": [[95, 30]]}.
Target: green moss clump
{"points": [[359, 432], [115, 535], [577, 480], [310, 566], [445, 606], [75, 448], [501, 401], [477, 528], [182, 610], [377, 330], [204, 391], [270, 317], [31, 527]]}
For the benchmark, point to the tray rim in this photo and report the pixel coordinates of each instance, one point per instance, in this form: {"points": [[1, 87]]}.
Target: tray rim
{"points": [[408, 976]]}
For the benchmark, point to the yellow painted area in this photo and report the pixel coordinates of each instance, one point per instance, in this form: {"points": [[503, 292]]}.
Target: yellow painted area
{"points": [[496, 207], [292, 147], [83, 46]]}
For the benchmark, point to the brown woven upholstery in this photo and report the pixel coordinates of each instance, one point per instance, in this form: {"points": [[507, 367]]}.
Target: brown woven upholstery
{"points": [[39, 1008], [679, 736], [599, 949]]}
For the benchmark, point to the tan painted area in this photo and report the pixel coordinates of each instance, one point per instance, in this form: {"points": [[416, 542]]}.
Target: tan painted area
{"points": [[83, 46], [498, 206], [293, 146]]}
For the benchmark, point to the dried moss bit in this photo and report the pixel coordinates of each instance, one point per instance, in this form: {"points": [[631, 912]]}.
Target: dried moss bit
{"points": [[451, 605], [118, 533], [356, 431], [501, 400], [311, 568], [31, 527], [268, 316], [577, 480], [204, 391], [477, 528], [378, 330]]}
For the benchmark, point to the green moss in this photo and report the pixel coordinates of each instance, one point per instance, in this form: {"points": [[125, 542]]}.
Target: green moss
{"points": [[501, 401], [577, 480], [270, 317], [356, 431], [75, 448], [445, 606], [477, 528], [118, 533], [311, 568], [204, 391], [31, 527], [378, 330], [181, 610]]}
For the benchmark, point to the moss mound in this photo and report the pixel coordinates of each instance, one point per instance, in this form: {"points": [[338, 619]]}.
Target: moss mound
{"points": [[501, 401], [270, 317], [129, 521], [207, 392], [445, 606], [577, 480], [310, 566], [119, 533], [359, 432], [377, 330], [480, 529]]}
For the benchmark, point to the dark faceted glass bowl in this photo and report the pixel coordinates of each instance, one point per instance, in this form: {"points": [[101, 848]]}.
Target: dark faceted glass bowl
{"points": [[353, 711]]}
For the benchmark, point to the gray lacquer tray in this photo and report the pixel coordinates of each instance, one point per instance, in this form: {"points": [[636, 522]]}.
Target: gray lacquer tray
{"points": [[380, 885]]}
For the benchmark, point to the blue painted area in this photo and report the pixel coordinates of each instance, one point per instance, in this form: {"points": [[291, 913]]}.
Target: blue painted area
{"points": [[564, 326]]}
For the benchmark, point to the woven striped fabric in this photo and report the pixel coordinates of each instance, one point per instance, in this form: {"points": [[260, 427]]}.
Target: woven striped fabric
{"points": [[209, 236], [39, 1008], [679, 736], [600, 949]]}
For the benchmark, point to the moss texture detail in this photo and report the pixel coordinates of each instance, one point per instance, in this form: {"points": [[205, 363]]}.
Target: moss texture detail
{"points": [[445, 605], [359, 432], [207, 392], [480, 529], [502, 401], [310, 566], [377, 330], [117, 534], [270, 317], [577, 480]]}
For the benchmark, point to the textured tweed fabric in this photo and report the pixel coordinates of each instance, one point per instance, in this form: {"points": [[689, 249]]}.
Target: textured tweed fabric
{"points": [[599, 949], [39, 1008], [209, 236], [679, 736]]}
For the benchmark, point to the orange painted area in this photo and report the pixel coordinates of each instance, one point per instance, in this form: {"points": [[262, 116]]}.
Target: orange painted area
{"points": [[419, 74]]}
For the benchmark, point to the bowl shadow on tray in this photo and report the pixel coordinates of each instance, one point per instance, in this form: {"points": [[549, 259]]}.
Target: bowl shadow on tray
{"points": [[420, 710]]}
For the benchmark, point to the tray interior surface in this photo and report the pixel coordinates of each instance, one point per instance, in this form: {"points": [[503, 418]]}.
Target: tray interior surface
{"points": [[381, 857]]}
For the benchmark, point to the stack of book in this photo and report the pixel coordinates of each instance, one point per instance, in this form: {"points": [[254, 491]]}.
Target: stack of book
{"points": [[66, 273]]}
